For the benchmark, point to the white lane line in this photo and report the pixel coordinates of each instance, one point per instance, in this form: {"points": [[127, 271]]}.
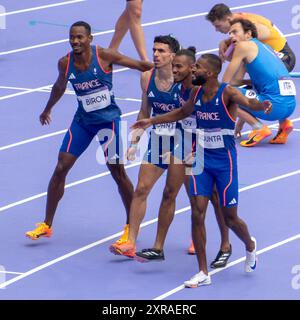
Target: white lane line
{"points": [[40, 7], [292, 34], [10, 272], [47, 88], [144, 25], [21, 88], [49, 135], [73, 184], [231, 264], [106, 173], [13, 95], [68, 91], [94, 244], [13, 145]]}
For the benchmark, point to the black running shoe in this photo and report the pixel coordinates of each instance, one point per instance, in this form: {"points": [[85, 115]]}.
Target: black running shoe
{"points": [[221, 259], [147, 255]]}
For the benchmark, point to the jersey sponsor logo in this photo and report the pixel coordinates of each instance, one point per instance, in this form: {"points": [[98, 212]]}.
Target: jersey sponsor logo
{"points": [[151, 94], [233, 201], [198, 103], [72, 76]]}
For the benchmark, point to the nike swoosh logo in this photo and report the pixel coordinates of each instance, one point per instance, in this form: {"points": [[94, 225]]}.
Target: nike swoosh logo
{"points": [[251, 140], [254, 266]]}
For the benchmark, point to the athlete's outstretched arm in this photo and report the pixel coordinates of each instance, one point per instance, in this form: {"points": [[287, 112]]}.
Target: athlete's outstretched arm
{"points": [[236, 97], [175, 115], [115, 57], [57, 91]]}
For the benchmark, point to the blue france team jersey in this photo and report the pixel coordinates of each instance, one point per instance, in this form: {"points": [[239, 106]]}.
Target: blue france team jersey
{"points": [[162, 101], [184, 94], [93, 88], [265, 70], [215, 121]]}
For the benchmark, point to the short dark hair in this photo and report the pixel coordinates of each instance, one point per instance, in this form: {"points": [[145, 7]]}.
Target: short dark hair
{"points": [[247, 25], [218, 12], [170, 41], [189, 52], [214, 61], [82, 24]]}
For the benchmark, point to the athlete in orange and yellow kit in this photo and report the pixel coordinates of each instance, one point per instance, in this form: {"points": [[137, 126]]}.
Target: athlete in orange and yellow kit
{"points": [[221, 16]]}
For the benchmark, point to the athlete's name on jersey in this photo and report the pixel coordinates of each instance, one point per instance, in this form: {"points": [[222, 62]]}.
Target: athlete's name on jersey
{"points": [[98, 99], [166, 125], [164, 106], [212, 139], [214, 116], [87, 85]]}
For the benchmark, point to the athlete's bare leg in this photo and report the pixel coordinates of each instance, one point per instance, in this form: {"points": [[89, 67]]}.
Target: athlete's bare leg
{"points": [[130, 19], [148, 176], [56, 185]]}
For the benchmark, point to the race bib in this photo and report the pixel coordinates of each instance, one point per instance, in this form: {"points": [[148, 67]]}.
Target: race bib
{"points": [[287, 88], [189, 123], [165, 129], [210, 139], [279, 54], [96, 101], [250, 94]]}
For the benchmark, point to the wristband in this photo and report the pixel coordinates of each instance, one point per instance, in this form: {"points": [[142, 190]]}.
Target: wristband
{"points": [[133, 145]]}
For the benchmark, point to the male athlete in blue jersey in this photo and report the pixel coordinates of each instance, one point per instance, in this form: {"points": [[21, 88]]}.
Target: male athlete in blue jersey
{"points": [[216, 107], [270, 79], [160, 96], [89, 69], [182, 67]]}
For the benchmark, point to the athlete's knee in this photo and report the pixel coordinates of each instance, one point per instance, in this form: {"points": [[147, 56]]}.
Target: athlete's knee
{"points": [[135, 13], [142, 191], [62, 168], [169, 194], [118, 173], [215, 199], [198, 213], [230, 220]]}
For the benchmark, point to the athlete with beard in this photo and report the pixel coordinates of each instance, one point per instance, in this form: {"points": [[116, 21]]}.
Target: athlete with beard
{"points": [[216, 108]]}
